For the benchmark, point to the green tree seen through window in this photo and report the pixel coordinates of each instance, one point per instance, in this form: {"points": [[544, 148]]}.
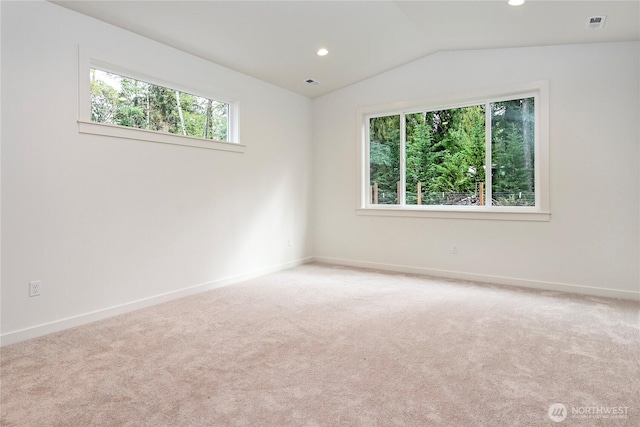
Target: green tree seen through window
{"points": [[124, 101], [445, 155]]}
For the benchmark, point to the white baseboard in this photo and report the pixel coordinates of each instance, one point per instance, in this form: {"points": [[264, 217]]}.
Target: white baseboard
{"points": [[511, 281], [70, 322], [81, 319]]}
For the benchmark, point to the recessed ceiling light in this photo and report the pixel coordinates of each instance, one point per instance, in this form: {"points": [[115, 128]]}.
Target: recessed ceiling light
{"points": [[516, 2], [322, 52]]}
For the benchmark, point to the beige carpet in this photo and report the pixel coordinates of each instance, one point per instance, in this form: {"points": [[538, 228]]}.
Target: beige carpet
{"points": [[327, 346]]}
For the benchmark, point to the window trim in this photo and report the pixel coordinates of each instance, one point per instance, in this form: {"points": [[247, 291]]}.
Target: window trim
{"points": [[90, 58], [540, 212]]}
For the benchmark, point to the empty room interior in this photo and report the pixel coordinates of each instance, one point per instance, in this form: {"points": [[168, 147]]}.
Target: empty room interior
{"points": [[318, 213]]}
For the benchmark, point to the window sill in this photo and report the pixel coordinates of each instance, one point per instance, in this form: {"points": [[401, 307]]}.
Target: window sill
{"points": [[115, 131], [512, 214]]}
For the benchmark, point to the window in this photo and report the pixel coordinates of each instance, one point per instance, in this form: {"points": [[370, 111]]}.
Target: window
{"points": [[484, 158], [127, 101]]}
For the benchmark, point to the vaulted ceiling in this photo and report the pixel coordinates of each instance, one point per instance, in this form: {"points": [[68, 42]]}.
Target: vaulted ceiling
{"points": [[276, 41]]}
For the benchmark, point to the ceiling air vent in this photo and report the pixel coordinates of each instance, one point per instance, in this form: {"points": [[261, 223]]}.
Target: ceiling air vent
{"points": [[312, 82], [595, 22]]}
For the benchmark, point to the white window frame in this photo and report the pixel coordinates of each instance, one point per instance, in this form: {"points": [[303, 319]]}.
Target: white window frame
{"points": [[90, 58], [540, 212]]}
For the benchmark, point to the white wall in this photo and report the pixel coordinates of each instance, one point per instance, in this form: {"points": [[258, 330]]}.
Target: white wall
{"points": [[106, 222], [592, 239]]}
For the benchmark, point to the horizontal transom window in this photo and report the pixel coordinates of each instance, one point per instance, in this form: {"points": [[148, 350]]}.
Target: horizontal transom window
{"points": [[119, 97], [125, 101]]}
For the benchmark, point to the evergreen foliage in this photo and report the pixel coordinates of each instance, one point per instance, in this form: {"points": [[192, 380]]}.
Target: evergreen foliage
{"points": [[385, 157], [446, 151], [143, 105]]}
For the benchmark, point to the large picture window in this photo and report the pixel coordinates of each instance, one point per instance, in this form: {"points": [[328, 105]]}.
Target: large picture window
{"points": [[482, 156]]}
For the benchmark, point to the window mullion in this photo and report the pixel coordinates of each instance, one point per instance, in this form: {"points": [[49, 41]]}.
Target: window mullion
{"points": [[488, 166], [367, 195], [403, 160]]}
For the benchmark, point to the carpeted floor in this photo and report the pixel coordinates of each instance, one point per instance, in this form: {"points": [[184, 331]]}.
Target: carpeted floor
{"points": [[326, 346]]}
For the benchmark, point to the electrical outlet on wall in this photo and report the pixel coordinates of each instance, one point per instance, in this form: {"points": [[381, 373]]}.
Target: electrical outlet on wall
{"points": [[35, 288], [454, 249]]}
